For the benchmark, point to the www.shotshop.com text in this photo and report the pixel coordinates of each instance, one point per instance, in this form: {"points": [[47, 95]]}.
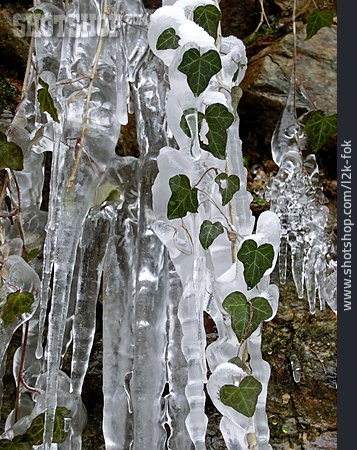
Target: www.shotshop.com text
{"points": [[346, 239]]}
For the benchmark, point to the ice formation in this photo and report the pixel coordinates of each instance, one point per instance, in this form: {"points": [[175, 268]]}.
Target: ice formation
{"points": [[296, 196], [107, 235]]}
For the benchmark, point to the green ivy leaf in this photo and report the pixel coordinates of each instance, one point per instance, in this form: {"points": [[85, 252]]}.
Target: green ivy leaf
{"points": [[208, 233], [11, 156], [320, 128], [316, 20], [246, 315], [208, 18], [46, 101], [33, 254], [232, 185], [106, 192], [17, 303], [183, 122], [34, 435], [183, 199], [238, 362], [243, 398], [199, 69], [218, 119], [256, 261], [168, 39]]}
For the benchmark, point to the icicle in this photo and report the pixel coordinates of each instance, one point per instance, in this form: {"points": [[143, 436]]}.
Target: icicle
{"points": [[80, 168], [92, 249], [151, 293], [296, 196], [177, 405]]}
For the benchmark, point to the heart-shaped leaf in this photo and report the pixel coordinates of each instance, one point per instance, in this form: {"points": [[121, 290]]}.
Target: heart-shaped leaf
{"points": [[243, 398], [168, 39], [256, 261], [320, 128], [208, 17], [246, 315], [17, 303], [11, 156], [46, 101], [208, 232], [228, 186], [183, 199], [199, 69], [316, 20], [218, 119]]}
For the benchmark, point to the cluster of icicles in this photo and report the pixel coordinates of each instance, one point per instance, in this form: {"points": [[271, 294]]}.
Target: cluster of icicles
{"points": [[106, 236], [296, 196]]}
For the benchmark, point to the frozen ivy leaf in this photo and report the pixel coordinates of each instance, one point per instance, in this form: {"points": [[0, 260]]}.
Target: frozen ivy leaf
{"points": [[168, 39], [246, 315], [11, 156], [199, 69], [236, 73], [256, 261], [17, 303], [183, 198], [208, 233], [238, 362], [316, 20], [218, 119], [34, 435], [106, 192], [243, 398], [228, 186], [208, 18], [320, 128], [183, 122], [33, 254], [46, 101]]}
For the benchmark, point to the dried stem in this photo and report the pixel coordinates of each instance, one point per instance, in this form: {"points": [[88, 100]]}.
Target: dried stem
{"points": [[293, 75], [88, 99], [19, 375]]}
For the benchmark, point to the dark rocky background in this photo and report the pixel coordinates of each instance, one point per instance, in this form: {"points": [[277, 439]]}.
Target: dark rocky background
{"points": [[301, 415]]}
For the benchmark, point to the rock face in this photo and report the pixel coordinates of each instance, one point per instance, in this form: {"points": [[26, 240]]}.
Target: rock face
{"points": [[267, 80], [301, 414]]}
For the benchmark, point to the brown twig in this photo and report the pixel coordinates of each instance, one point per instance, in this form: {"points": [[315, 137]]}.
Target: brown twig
{"points": [[19, 375]]}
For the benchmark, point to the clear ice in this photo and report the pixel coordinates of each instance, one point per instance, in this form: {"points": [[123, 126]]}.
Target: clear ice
{"points": [[106, 237], [296, 196]]}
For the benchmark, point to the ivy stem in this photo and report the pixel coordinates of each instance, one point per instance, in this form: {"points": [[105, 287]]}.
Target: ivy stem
{"points": [[294, 58], [19, 375], [219, 209], [204, 174], [231, 215], [18, 218], [88, 99]]}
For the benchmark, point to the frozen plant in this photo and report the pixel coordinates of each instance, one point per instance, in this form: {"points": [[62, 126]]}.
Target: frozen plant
{"points": [[296, 196], [203, 218], [161, 239]]}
